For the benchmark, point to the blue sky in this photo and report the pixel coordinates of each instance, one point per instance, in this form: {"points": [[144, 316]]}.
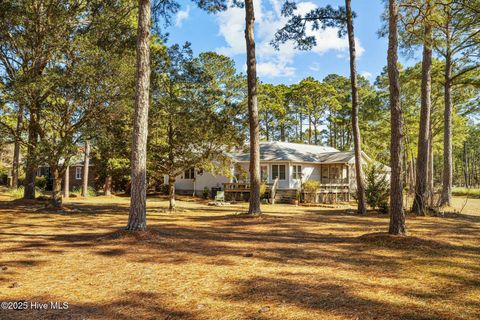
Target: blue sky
{"points": [[223, 33]]}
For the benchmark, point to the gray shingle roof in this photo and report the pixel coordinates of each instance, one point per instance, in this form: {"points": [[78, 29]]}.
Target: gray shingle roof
{"points": [[296, 152]]}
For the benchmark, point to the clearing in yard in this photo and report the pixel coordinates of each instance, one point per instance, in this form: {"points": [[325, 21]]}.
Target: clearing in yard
{"points": [[206, 262]]}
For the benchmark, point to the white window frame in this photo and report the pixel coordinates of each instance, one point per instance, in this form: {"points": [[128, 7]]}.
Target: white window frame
{"points": [[278, 172], [78, 173], [297, 172]]}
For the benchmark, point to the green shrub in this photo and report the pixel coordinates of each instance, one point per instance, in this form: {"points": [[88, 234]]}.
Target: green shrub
{"points": [[41, 182], [311, 186], [16, 193], [77, 192], [206, 193], [263, 189], [376, 187]]}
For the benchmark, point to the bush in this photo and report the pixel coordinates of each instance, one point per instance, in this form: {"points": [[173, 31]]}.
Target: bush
{"points": [[376, 187], [41, 182], [206, 193], [16, 193], [311, 186], [263, 189], [77, 192]]}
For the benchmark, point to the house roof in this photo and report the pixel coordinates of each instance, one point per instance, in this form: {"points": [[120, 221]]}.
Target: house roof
{"points": [[295, 152]]}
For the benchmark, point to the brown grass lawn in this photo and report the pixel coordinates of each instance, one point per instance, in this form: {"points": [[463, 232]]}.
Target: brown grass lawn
{"points": [[209, 263]]}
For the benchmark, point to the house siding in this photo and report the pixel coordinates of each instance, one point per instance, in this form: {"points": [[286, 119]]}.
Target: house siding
{"points": [[202, 181]]}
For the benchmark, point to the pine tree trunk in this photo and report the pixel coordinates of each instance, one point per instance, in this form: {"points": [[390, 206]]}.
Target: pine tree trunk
{"points": [[430, 168], [397, 213], [86, 163], [137, 219], [421, 187], [66, 183], [446, 198], [309, 129], [16, 149], [56, 201], [254, 203], [465, 165], [171, 193], [107, 188], [301, 127], [31, 168], [362, 209]]}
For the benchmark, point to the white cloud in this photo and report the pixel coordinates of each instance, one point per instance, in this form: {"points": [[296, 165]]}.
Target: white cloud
{"points": [[272, 63], [366, 74], [182, 15]]}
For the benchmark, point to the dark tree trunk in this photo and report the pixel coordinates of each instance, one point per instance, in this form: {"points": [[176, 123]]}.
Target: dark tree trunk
{"points": [[362, 209], [171, 193], [31, 168], [86, 163], [397, 213], [137, 219], [66, 183], [57, 187], [446, 198], [421, 187], [254, 205], [16, 150], [107, 188]]}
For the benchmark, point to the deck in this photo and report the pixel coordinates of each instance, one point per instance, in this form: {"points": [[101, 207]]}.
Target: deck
{"points": [[334, 191]]}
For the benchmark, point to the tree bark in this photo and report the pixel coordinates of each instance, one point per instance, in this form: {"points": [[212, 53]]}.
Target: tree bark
{"points": [[465, 165], [430, 171], [446, 198], [397, 213], [362, 209], [137, 219], [171, 193], [16, 150], [86, 163], [254, 201], [421, 187], [57, 187], [31, 167], [107, 188], [66, 183]]}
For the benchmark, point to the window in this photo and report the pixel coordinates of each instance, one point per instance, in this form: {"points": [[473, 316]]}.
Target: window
{"points": [[189, 174], [297, 172], [278, 170], [78, 173]]}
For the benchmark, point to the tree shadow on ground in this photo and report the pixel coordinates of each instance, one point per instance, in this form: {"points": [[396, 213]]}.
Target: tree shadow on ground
{"points": [[132, 305], [321, 239]]}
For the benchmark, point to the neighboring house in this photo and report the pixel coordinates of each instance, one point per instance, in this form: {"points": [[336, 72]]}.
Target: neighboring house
{"points": [[75, 174], [292, 163]]}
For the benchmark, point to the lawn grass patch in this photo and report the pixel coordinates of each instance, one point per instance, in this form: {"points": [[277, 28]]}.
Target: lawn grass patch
{"points": [[474, 193], [210, 263]]}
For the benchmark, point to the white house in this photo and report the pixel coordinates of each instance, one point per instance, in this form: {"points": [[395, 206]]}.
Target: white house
{"points": [[292, 163]]}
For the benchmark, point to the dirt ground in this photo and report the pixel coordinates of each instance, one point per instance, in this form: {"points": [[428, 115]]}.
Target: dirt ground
{"points": [[212, 263]]}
